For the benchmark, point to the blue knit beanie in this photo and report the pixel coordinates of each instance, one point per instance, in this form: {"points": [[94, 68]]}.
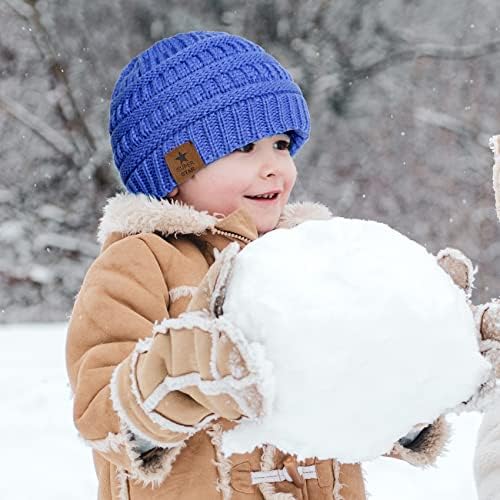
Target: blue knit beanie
{"points": [[193, 98]]}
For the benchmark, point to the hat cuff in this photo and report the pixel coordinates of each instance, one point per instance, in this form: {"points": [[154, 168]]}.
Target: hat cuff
{"points": [[221, 132]]}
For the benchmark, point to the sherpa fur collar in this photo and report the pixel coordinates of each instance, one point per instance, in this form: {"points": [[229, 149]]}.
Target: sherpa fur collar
{"points": [[128, 213]]}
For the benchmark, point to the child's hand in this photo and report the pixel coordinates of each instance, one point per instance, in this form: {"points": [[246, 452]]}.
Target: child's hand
{"points": [[195, 368], [227, 373], [228, 358], [487, 316]]}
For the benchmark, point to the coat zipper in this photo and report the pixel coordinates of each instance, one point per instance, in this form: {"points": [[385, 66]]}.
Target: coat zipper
{"points": [[231, 235]]}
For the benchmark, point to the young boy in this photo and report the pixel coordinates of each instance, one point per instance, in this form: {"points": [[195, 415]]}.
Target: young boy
{"points": [[204, 126]]}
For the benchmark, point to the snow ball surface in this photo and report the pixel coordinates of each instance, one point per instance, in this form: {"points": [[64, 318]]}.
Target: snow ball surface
{"points": [[367, 336]]}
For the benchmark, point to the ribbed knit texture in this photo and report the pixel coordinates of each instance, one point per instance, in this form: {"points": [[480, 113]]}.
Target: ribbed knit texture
{"points": [[219, 91]]}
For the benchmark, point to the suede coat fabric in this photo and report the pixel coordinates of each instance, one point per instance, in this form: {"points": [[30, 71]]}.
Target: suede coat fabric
{"points": [[154, 433]]}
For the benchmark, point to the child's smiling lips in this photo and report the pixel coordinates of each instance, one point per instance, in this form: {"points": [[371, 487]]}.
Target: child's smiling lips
{"points": [[267, 198]]}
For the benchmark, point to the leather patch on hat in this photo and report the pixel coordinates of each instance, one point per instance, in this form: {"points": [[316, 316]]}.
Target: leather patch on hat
{"points": [[183, 162]]}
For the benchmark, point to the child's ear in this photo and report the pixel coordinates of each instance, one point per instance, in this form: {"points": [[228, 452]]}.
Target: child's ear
{"points": [[173, 193]]}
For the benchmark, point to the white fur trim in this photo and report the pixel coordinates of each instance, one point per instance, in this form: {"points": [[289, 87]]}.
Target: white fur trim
{"points": [[431, 444], [188, 320], [222, 463], [181, 291], [129, 213], [140, 471], [154, 472], [213, 354], [225, 259], [235, 366], [112, 442], [337, 485], [138, 213], [122, 482], [225, 385], [295, 213]]}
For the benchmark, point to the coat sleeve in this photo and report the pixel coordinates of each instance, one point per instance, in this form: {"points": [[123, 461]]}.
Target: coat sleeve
{"points": [[115, 364], [424, 448]]}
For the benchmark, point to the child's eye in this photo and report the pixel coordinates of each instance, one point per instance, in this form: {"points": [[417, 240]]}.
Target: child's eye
{"points": [[244, 149], [285, 144], [282, 145]]}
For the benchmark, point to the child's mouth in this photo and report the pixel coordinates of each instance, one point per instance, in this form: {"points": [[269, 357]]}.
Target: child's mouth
{"points": [[265, 199]]}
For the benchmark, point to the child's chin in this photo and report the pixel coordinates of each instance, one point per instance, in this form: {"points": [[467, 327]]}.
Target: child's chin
{"points": [[265, 228]]}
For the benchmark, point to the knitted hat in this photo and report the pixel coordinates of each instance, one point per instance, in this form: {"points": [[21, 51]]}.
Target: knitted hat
{"points": [[193, 98]]}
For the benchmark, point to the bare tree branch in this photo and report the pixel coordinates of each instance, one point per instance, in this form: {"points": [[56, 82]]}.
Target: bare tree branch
{"points": [[427, 50], [22, 9], [52, 137], [456, 125], [28, 12], [470, 135]]}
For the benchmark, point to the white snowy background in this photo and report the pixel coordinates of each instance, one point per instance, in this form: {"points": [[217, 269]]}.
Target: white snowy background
{"points": [[42, 456], [403, 98]]}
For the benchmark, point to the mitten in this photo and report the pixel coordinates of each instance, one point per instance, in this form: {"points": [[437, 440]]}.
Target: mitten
{"points": [[221, 362], [424, 443], [195, 368], [487, 321]]}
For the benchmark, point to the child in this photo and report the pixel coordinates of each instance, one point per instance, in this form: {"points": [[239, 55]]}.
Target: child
{"points": [[204, 126]]}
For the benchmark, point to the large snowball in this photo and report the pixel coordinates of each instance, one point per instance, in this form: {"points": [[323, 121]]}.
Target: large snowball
{"points": [[368, 336]]}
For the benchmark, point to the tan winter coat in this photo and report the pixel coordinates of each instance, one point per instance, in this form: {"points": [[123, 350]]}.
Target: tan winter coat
{"points": [[164, 442]]}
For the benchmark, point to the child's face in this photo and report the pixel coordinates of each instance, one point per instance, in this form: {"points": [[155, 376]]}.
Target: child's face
{"points": [[228, 183]]}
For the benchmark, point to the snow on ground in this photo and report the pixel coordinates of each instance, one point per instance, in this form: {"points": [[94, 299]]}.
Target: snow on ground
{"points": [[42, 457]]}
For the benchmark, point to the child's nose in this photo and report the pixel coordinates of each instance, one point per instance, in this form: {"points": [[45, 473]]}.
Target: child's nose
{"points": [[269, 162], [270, 169]]}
